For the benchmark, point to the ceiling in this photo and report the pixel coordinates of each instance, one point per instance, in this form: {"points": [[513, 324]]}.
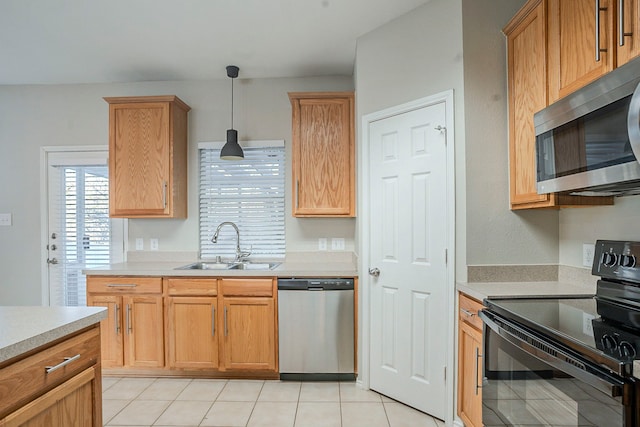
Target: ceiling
{"points": [[100, 41]]}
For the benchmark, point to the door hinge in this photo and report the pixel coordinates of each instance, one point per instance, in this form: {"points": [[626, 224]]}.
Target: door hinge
{"points": [[445, 373], [446, 256]]}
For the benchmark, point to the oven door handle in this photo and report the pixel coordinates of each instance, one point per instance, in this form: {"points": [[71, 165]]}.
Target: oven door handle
{"points": [[551, 354]]}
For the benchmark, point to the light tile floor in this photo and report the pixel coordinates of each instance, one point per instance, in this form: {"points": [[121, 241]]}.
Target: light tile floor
{"points": [[229, 403]]}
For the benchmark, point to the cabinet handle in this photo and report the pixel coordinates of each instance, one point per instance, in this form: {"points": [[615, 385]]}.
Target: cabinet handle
{"points": [[164, 194], [477, 370], [297, 193], [213, 321], [121, 285], [116, 323], [226, 331], [129, 329], [621, 33], [598, 10], [67, 360], [467, 312]]}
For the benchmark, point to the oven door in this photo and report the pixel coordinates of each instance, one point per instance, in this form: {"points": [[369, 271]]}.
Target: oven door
{"points": [[532, 381]]}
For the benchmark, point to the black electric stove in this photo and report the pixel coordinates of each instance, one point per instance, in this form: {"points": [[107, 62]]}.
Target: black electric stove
{"points": [[603, 329]]}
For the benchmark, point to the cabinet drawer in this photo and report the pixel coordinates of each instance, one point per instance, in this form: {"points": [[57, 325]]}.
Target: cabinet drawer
{"points": [[124, 284], [187, 287], [24, 380], [247, 287], [468, 311]]}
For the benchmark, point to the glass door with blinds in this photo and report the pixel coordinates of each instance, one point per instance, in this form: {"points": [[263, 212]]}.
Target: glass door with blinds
{"points": [[80, 233]]}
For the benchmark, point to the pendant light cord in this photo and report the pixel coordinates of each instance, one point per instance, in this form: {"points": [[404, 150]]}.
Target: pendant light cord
{"points": [[232, 103]]}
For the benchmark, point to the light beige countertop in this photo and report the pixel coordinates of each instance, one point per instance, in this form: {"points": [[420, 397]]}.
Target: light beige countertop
{"points": [[482, 290], [24, 328], [286, 269]]}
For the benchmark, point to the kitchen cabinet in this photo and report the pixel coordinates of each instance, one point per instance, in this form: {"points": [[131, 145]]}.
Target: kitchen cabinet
{"points": [[249, 320], [147, 157], [133, 332], [323, 154], [192, 324], [527, 83], [585, 44], [469, 362], [33, 394]]}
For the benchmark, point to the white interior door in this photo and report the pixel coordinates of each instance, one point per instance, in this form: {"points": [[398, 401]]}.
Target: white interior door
{"points": [[408, 239]]}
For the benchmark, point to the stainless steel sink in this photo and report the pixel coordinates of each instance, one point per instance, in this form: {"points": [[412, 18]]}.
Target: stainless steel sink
{"points": [[246, 265]]}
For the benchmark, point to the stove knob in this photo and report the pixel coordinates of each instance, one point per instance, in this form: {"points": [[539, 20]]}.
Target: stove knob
{"points": [[627, 351], [628, 261], [609, 259], [609, 342]]}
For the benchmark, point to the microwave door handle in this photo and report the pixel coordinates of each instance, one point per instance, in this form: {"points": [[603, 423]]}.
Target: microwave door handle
{"points": [[526, 341], [633, 122]]}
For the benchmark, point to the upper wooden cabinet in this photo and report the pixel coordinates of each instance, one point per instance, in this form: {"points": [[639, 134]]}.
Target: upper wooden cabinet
{"points": [[323, 154], [586, 43], [147, 157], [528, 46]]}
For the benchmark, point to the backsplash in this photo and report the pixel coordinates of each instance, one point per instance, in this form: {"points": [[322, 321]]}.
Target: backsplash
{"points": [[512, 273]]}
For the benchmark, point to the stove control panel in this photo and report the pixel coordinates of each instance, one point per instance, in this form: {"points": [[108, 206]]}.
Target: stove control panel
{"points": [[617, 342], [617, 260]]}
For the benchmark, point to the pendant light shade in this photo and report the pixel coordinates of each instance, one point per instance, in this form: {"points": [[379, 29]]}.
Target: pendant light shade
{"points": [[231, 149]]}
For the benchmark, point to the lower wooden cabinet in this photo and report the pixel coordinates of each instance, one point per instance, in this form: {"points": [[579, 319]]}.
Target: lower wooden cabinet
{"points": [[133, 332], [68, 396], [469, 362]]}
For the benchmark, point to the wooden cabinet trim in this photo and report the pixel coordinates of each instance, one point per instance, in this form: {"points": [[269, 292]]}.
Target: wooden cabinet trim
{"points": [[124, 285], [247, 287], [191, 287]]}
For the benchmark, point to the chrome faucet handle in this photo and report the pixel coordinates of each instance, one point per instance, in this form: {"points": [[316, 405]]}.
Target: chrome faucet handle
{"points": [[244, 254]]}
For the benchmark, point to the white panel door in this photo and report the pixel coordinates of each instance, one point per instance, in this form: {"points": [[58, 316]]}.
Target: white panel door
{"points": [[408, 237]]}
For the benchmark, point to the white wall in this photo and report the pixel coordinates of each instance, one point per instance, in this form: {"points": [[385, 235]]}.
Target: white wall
{"points": [[36, 116]]}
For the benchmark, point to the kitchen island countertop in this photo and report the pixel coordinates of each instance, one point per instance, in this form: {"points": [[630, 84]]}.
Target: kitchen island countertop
{"points": [[482, 290], [24, 328]]}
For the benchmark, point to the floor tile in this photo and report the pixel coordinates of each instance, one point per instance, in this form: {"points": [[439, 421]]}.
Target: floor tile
{"points": [[207, 390], [363, 414], [318, 414], [108, 382], [110, 407], [127, 388], [140, 413], [400, 415], [273, 414], [184, 413], [280, 391], [164, 389], [228, 414], [319, 392], [350, 392], [241, 391]]}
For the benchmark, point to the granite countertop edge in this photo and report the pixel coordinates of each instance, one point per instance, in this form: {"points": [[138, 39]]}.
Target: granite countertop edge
{"points": [[168, 269], [46, 325], [481, 290]]}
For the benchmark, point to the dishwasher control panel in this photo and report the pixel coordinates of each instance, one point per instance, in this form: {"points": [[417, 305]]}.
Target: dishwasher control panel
{"points": [[311, 284]]}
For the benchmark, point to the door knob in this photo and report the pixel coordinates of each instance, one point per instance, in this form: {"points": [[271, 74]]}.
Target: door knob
{"points": [[375, 272], [52, 261]]}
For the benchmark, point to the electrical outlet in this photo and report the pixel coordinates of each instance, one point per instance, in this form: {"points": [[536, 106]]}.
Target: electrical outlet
{"points": [[153, 244], [587, 326], [337, 244], [5, 219], [587, 254], [139, 244], [322, 244]]}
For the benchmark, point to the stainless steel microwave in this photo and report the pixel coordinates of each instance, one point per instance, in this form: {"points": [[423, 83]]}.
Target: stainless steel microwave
{"points": [[588, 143]]}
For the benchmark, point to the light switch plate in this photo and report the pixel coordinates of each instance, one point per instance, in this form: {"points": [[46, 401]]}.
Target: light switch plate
{"points": [[153, 244], [322, 244], [337, 244], [587, 254], [139, 244], [5, 219]]}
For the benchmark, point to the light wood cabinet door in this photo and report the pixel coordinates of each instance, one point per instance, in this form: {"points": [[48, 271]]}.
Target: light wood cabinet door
{"points": [[69, 404], [323, 152], [249, 329], [627, 37], [581, 43], [147, 157], [111, 331], [193, 332], [144, 331], [470, 375], [469, 362]]}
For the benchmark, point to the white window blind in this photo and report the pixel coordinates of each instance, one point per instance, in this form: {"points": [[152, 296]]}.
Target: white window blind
{"points": [[249, 193]]}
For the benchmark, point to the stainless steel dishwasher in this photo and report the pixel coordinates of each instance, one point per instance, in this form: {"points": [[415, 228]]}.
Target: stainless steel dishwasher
{"points": [[315, 327]]}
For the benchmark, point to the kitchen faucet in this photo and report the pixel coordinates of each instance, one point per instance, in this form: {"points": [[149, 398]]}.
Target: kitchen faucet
{"points": [[239, 254]]}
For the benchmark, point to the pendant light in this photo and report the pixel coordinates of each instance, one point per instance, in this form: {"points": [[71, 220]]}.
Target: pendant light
{"points": [[232, 150]]}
